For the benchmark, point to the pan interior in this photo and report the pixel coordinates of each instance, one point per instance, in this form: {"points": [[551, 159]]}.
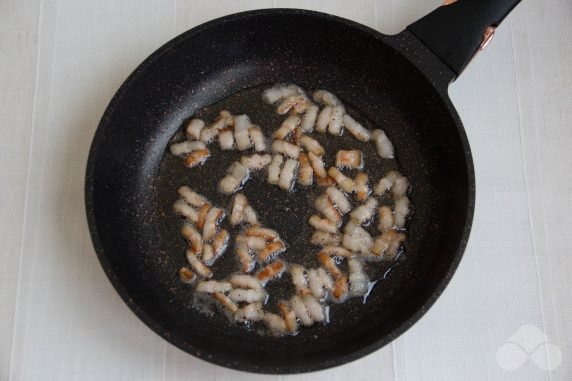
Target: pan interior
{"points": [[132, 183]]}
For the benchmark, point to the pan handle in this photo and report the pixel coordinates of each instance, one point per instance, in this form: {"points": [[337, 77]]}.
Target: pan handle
{"points": [[457, 30]]}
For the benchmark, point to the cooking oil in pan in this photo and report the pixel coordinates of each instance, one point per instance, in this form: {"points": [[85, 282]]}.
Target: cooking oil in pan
{"points": [[285, 212]]}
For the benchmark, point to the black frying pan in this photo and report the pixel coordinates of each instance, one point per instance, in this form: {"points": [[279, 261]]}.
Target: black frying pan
{"points": [[396, 82]]}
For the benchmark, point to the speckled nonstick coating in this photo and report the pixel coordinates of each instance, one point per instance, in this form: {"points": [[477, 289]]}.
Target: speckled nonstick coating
{"points": [[392, 82]]}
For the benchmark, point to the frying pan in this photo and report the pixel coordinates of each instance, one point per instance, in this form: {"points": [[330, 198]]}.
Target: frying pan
{"points": [[396, 82]]}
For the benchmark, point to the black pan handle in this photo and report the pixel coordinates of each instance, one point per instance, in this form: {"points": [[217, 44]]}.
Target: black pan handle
{"points": [[457, 30]]}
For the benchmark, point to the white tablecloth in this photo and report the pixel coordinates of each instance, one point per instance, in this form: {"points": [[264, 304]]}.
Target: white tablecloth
{"points": [[60, 319]]}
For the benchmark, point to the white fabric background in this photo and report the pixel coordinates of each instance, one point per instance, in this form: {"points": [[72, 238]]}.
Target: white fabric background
{"points": [[60, 319]]}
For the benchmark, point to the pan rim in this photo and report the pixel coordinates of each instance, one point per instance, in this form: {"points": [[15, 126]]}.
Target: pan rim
{"points": [[440, 88]]}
